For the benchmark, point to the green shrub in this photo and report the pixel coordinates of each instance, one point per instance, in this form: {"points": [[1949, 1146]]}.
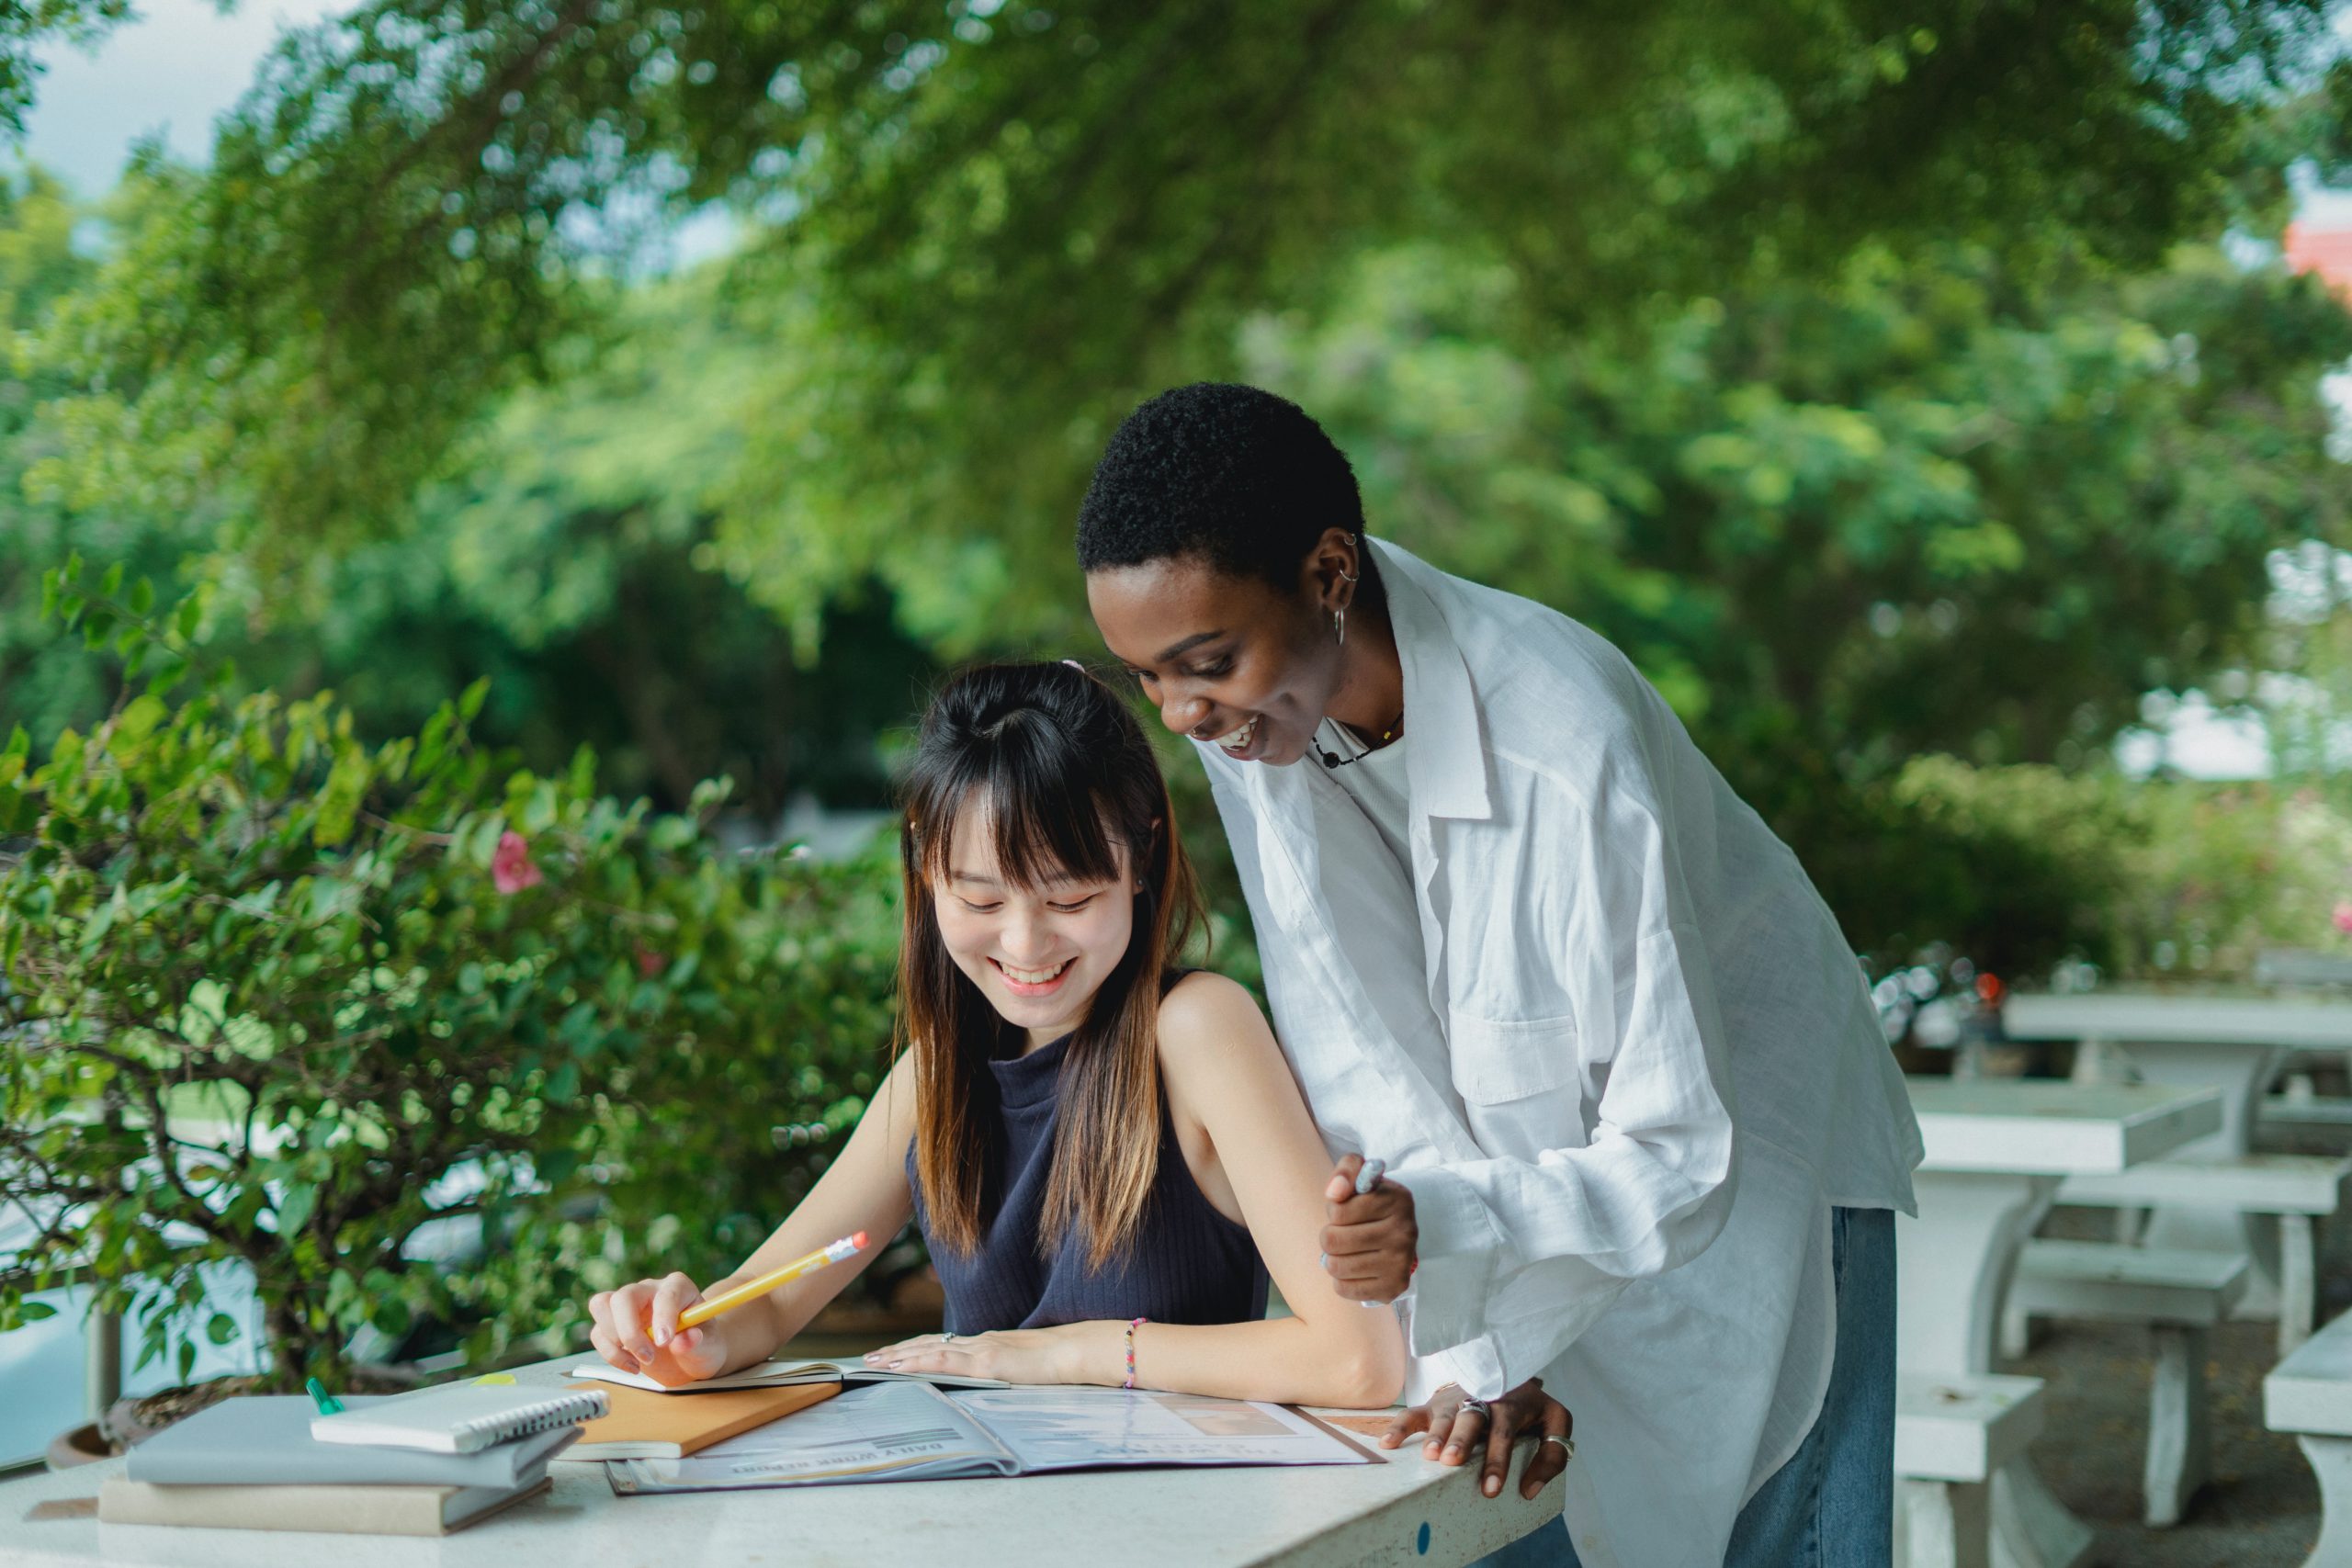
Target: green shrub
{"points": [[2018, 867], [2024, 868], [273, 995], [2226, 871]]}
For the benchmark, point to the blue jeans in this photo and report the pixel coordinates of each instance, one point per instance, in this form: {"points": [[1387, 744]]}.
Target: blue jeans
{"points": [[1832, 1506]]}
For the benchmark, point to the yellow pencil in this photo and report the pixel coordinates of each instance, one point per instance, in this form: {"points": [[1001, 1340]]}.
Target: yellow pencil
{"points": [[753, 1289]]}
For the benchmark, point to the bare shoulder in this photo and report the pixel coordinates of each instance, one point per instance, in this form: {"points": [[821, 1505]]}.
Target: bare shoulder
{"points": [[1208, 1020], [1205, 1003]]}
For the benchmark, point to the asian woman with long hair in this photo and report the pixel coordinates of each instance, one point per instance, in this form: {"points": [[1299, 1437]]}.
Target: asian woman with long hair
{"points": [[1087, 1132]]}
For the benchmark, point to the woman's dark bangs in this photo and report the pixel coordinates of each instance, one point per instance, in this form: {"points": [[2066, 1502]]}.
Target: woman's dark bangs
{"points": [[1047, 824], [1044, 829]]}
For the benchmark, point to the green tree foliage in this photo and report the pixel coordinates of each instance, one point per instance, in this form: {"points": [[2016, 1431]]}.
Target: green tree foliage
{"points": [[47, 680], [568, 558], [996, 224], [1844, 365], [2169, 880], [272, 994], [1925, 509], [26, 24]]}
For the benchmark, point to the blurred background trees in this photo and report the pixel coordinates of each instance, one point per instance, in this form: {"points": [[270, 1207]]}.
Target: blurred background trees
{"points": [[1917, 393], [1893, 384]]}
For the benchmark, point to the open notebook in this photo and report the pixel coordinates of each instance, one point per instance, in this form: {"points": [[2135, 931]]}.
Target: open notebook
{"points": [[779, 1373], [904, 1431]]}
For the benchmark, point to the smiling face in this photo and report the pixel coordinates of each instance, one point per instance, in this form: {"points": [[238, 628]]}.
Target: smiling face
{"points": [[1040, 953], [1223, 658]]}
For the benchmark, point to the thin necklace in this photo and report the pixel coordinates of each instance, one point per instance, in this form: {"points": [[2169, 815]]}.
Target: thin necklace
{"points": [[1332, 760]]}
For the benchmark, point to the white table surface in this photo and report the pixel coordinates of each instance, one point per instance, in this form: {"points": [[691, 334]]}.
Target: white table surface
{"points": [[2187, 1017], [1405, 1510], [2045, 1127]]}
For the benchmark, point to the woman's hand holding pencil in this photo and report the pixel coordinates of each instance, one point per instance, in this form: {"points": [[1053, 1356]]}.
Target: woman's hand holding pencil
{"points": [[655, 1326], [635, 1328]]}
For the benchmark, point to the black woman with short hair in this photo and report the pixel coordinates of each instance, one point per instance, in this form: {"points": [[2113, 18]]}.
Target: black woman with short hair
{"points": [[1523, 942]]}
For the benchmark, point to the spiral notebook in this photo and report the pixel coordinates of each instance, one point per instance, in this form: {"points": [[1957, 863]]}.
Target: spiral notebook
{"points": [[460, 1418]]}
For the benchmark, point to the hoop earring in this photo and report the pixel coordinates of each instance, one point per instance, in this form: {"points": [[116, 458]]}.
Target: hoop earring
{"points": [[1340, 627]]}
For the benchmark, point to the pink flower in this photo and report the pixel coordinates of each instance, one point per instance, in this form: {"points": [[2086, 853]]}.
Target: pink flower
{"points": [[2344, 918], [511, 869]]}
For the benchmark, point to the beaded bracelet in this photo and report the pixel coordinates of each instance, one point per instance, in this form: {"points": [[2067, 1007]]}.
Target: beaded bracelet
{"points": [[1139, 1323]]}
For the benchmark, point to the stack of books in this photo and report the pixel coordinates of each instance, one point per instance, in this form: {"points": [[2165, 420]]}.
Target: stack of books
{"points": [[423, 1463]]}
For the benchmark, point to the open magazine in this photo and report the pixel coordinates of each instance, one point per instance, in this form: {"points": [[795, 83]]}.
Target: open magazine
{"points": [[906, 1431], [780, 1374]]}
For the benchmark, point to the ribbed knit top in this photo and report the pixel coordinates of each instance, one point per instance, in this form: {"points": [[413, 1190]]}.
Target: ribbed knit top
{"points": [[1183, 1263]]}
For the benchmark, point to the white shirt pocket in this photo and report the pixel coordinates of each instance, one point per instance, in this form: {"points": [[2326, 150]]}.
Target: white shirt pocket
{"points": [[1495, 1060]]}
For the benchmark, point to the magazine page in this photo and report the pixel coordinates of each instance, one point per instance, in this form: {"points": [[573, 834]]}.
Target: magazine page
{"points": [[893, 1431], [1078, 1428]]}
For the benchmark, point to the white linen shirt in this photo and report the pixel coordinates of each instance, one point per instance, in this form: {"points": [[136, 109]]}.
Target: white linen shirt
{"points": [[1647, 1067]]}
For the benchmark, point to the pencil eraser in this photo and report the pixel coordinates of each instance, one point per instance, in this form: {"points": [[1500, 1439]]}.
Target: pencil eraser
{"points": [[858, 1241]]}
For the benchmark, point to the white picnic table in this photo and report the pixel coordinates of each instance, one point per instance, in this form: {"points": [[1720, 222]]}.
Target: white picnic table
{"points": [[1404, 1510], [1996, 1149], [2234, 1043]]}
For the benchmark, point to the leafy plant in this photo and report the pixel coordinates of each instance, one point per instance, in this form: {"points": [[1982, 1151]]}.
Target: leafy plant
{"points": [[2022, 870], [271, 994]]}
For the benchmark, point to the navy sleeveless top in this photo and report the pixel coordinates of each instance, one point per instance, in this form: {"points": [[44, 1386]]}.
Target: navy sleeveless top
{"points": [[1183, 1262]]}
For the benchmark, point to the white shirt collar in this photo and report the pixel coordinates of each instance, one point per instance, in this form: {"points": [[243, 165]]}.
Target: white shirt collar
{"points": [[1446, 761]]}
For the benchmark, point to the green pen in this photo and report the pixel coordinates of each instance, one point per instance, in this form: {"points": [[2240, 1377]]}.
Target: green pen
{"points": [[328, 1404]]}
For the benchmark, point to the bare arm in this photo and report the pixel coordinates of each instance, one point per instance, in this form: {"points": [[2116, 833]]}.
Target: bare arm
{"points": [[1225, 1076], [864, 1189], [1223, 1070]]}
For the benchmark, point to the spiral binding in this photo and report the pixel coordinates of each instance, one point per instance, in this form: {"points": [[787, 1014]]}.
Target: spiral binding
{"points": [[521, 1423]]}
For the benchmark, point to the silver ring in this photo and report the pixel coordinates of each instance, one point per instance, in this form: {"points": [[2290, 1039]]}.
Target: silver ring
{"points": [[1471, 1401], [1567, 1443], [945, 1337]]}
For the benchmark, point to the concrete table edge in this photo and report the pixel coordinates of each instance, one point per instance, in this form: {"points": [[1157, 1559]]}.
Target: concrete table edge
{"points": [[1407, 1510], [2054, 1141]]}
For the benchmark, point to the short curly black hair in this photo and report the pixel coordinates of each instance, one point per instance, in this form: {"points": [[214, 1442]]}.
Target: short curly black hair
{"points": [[1224, 474]]}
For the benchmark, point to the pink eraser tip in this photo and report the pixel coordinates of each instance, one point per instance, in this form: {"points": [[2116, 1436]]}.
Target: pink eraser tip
{"points": [[858, 1241]]}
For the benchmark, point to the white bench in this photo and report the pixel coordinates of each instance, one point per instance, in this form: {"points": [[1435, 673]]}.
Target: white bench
{"points": [[2304, 1110], [1952, 1435], [2295, 1189], [2179, 1294], [2310, 1395]]}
